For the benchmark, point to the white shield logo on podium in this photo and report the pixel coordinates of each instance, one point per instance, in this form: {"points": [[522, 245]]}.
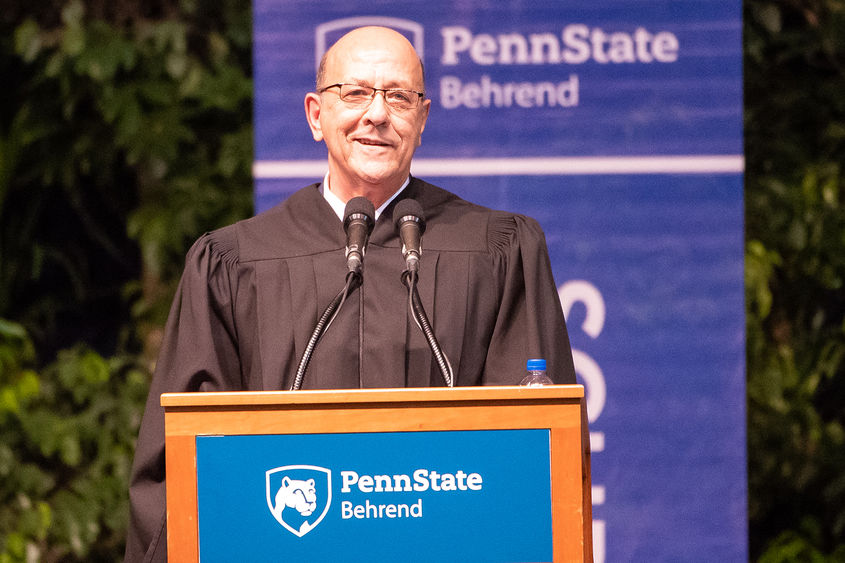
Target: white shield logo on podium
{"points": [[299, 496]]}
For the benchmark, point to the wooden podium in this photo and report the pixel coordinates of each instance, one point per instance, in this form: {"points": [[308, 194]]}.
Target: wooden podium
{"points": [[559, 409]]}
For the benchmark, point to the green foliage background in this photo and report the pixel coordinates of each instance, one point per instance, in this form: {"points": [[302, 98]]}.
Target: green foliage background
{"points": [[795, 273], [125, 132]]}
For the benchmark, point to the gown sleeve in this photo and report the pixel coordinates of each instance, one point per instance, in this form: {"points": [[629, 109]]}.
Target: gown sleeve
{"points": [[530, 322], [199, 353]]}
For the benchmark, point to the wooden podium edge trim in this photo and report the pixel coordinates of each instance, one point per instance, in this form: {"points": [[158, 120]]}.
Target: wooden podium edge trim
{"points": [[187, 549], [363, 396]]}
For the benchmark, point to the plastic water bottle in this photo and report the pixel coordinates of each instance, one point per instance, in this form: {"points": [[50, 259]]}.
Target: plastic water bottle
{"points": [[536, 376]]}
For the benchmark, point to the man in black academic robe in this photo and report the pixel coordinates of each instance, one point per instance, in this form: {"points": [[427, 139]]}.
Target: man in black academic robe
{"points": [[251, 293]]}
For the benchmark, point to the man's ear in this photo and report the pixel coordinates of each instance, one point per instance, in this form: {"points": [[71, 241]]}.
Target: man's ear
{"points": [[312, 114], [426, 108], [424, 117]]}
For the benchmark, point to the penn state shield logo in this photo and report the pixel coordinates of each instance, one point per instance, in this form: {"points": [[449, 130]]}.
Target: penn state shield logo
{"points": [[327, 33], [299, 496]]}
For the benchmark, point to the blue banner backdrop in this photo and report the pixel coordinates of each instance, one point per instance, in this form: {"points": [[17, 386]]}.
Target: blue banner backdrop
{"points": [[618, 126]]}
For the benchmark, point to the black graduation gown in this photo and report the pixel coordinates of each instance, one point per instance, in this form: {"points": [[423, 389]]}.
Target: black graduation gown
{"points": [[252, 292]]}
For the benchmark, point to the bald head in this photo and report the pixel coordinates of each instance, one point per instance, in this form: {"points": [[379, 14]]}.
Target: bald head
{"points": [[369, 39], [370, 141]]}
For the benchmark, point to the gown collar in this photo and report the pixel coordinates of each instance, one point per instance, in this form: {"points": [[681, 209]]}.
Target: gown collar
{"points": [[338, 206]]}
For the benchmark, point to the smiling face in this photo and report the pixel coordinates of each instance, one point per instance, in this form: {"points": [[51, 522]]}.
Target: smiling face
{"points": [[370, 149]]}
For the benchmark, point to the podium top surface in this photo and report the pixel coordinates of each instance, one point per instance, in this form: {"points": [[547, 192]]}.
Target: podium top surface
{"points": [[347, 396]]}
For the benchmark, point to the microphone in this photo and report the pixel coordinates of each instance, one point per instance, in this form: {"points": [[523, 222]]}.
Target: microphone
{"points": [[410, 222], [358, 223]]}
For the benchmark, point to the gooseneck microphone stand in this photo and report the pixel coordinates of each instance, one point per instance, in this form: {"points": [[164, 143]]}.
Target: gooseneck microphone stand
{"points": [[358, 223], [409, 278], [353, 280], [410, 223]]}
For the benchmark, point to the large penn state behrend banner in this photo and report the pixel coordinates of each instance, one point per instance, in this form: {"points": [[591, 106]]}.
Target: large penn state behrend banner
{"points": [[617, 125]]}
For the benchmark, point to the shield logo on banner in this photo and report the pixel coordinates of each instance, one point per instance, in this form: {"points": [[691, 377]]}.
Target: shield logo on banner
{"points": [[299, 496], [328, 32]]}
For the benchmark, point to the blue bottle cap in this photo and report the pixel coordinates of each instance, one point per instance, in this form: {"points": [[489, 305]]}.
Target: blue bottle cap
{"points": [[536, 365]]}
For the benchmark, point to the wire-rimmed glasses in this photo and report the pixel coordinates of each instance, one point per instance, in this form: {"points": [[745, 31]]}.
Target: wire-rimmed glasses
{"points": [[359, 96]]}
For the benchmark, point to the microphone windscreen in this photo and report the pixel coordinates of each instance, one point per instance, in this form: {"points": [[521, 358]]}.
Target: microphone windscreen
{"points": [[359, 205], [406, 207]]}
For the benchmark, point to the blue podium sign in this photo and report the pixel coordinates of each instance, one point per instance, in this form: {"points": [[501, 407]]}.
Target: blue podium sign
{"points": [[481, 495]]}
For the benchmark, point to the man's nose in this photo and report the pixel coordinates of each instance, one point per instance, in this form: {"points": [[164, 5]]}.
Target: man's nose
{"points": [[377, 112]]}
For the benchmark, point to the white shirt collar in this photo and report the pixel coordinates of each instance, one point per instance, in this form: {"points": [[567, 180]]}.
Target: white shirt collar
{"points": [[339, 206]]}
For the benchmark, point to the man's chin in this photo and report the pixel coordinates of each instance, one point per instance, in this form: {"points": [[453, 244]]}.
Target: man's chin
{"points": [[382, 174]]}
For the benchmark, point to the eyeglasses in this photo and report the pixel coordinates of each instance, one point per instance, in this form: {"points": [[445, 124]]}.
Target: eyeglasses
{"points": [[358, 96]]}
